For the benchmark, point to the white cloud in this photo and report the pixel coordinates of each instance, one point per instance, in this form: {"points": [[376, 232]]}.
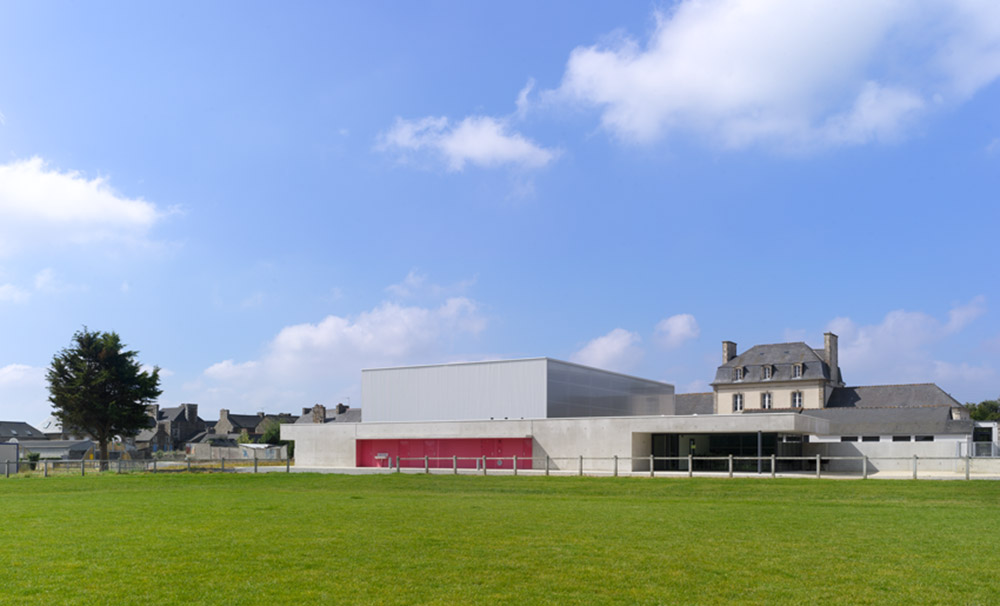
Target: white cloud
{"points": [[787, 72], [416, 284], [900, 348], [43, 206], [618, 350], [672, 332], [482, 141], [993, 146], [523, 102], [10, 293], [304, 363], [23, 394]]}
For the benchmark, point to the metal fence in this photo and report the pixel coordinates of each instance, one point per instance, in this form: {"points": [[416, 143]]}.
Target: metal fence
{"points": [[53, 467], [817, 466]]}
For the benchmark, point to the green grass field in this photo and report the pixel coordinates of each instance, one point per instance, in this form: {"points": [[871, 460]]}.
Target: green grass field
{"points": [[408, 539]]}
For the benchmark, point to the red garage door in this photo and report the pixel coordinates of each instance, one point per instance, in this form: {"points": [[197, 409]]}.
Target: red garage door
{"points": [[499, 452]]}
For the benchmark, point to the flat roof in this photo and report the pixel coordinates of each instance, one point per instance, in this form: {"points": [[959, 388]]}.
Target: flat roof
{"points": [[535, 359]]}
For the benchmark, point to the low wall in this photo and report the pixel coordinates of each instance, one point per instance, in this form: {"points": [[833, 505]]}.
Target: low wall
{"points": [[232, 453], [891, 456], [8, 452]]}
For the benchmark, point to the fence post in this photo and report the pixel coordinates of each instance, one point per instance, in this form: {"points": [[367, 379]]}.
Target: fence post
{"points": [[690, 465], [581, 465], [616, 466], [189, 465], [652, 465], [288, 463], [454, 464], [255, 462], [515, 465], [83, 470], [484, 465], [154, 465], [6, 469], [864, 467], [966, 467], [773, 470], [398, 465], [914, 467], [730, 466], [427, 464], [819, 464], [547, 464], [45, 466], [223, 464]]}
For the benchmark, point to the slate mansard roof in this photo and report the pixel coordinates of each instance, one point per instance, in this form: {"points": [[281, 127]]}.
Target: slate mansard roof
{"points": [[694, 403], [891, 396], [782, 357], [19, 430]]}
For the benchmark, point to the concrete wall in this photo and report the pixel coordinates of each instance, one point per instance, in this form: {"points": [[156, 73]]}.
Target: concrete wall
{"points": [[563, 440], [512, 389], [208, 452], [900, 453]]}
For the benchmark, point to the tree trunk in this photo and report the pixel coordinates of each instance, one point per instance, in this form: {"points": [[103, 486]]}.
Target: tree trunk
{"points": [[103, 446]]}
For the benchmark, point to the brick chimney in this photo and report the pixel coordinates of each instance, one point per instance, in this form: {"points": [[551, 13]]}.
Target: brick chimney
{"points": [[728, 351], [153, 410], [341, 409], [318, 413], [831, 355]]}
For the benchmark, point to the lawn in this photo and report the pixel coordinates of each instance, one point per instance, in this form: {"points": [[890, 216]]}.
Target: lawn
{"points": [[405, 539]]}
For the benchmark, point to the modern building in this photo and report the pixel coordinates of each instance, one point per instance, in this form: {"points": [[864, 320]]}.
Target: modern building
{"points": [[787, 400]]}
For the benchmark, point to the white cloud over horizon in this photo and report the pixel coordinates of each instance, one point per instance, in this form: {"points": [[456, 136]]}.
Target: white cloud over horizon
{"points": [[41, 206], [797, 74], [618, 351], [305, 363], [899, 349], [482, 141], [24, 394]]}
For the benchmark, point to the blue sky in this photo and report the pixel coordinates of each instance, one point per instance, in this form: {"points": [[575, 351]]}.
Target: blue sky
{"points": [[264, 199]]}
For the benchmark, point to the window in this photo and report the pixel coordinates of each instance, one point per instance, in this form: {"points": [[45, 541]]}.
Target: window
{"points": [[869, 438], [923, 438], [796, 371], [900, 438], [848, 438], [737, 402], [765, 371], [737, 374], [796, 399], [765, 401]]}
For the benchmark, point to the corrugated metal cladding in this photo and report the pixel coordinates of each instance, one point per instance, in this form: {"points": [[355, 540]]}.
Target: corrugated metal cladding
{"points": [[536, 388], [580, 391], [512, 389]]}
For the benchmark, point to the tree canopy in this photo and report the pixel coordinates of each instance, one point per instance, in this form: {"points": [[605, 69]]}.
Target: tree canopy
{"points": [[987, 410], [98, 387]]}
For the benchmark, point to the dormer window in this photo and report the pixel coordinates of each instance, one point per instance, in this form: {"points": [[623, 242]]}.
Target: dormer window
{"points": [[796, 371], [737, 374], [765, 371]]}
